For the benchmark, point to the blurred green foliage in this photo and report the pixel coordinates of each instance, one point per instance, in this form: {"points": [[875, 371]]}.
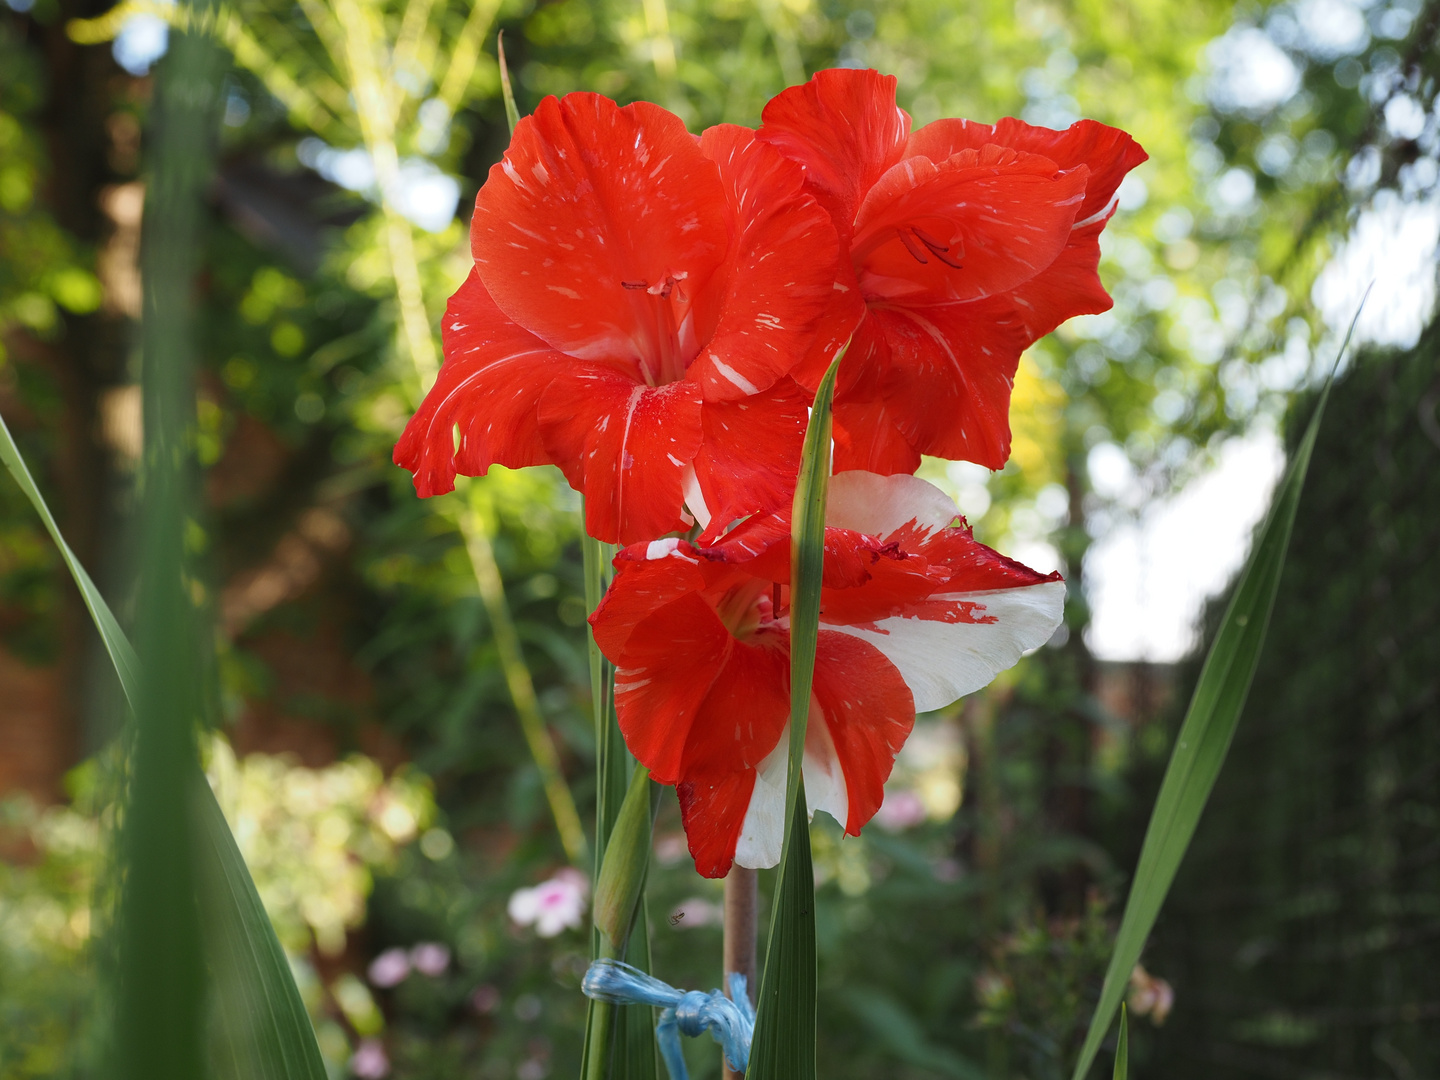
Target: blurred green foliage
{"points": [[350, 619]]}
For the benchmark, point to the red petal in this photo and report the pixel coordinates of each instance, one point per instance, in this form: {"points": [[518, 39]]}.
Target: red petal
{"points": [[868, 437], [950, 373], [781, 282], [750, 456], [625, 445], [842, 322], [970, 566], [845, 128], [1068, 287], [712, 809], [868, 434], [739, 724], [974, 225], [663, 674], [868, 713], [741, 718], [1108, 153], [650, 575], [592, 198], [489, 385]]}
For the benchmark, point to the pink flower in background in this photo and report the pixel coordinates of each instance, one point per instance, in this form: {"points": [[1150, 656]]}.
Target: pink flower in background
{"points": [[901, 810], [390, 968], [552, 906], [370, 1062], [430, 958]]}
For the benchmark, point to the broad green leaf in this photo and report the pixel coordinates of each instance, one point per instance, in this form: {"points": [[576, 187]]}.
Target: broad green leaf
{"points": [[1122, 1048], [784, 1044], [1205, 735]]}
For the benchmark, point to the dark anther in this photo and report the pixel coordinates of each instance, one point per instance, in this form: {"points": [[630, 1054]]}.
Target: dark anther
{"points": [[938, 249], [913, 248], [634, 284]]}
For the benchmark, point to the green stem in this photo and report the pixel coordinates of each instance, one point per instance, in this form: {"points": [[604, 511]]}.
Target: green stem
{"points": [[522, 688]]}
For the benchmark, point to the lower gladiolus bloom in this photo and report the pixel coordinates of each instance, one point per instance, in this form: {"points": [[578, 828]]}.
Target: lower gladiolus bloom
{"points": [[967, 243], [638, 299], [914, 613]]}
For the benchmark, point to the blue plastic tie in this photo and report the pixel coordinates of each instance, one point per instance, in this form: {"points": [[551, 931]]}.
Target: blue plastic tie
{"points": [[730, 1021]]}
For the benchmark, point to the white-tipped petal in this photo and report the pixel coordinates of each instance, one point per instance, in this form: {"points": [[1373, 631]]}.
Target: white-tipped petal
{"points": [[824, 779], [878, 505], [762, 834], [943, 661]]}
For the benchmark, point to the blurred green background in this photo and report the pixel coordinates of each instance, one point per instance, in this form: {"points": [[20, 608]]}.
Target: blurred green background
{"points": [[365, 739]]}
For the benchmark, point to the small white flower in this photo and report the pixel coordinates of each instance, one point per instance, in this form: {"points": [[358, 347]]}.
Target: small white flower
{"points": [[553, 905]]}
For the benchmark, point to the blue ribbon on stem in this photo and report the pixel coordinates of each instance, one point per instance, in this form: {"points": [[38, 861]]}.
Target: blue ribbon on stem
{"points": [[730, 1021]]}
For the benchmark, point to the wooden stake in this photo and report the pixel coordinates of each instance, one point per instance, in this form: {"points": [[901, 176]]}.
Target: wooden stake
{"points": [[742, 917]]}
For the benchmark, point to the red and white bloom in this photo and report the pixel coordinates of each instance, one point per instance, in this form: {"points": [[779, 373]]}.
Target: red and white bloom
{"points": [[638, 299], [914, 614], [968, 243]]}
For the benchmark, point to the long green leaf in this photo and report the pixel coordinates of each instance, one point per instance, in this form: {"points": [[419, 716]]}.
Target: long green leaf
{"points": [[1205, 734], [512, 113], [261, 1026], [784, 1044], [1122, 1048], [127, 666]]}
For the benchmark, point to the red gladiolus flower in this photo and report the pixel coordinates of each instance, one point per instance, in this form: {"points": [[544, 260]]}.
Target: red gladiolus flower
{"points": [[968, 243], [638, 300], [914, 614]]}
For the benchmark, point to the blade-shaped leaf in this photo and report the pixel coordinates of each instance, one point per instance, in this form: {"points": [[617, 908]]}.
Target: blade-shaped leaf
{"points": [[261, 1028], [512, 114], [1122, 1048], [784, 1044], [127, 666], [1205, 735]]}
